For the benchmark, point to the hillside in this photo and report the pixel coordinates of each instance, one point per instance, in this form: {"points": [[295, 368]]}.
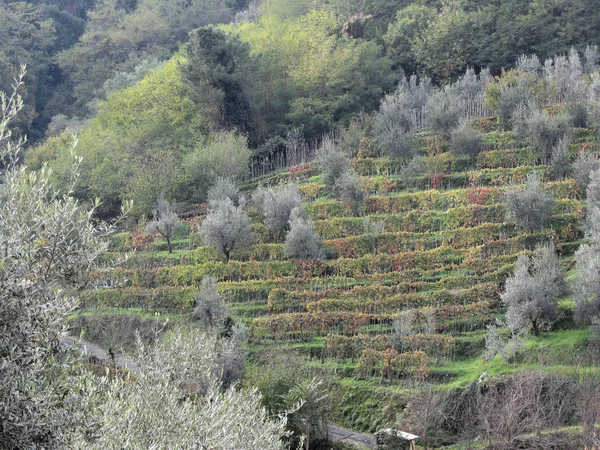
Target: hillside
{"points": [[443, 254]]}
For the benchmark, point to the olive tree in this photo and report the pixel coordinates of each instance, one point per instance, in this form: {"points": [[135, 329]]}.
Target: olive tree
{"points": [[583, 167], [465, 140], [531, 293], [542, 130], [302, 241], [165, 221], [593, 206], [277, 205], [348, 187], [332, 162], [587, 285], [177, 401], [529, 206], [224, 188], [444, 111], [226, 227], [48, 245], [210, 308]]}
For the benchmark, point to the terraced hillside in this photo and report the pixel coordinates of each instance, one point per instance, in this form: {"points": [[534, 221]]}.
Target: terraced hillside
{"points": [[441, 256]]}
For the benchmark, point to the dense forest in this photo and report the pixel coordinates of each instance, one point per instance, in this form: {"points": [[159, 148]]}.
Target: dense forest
{"points": [[381, 214]]}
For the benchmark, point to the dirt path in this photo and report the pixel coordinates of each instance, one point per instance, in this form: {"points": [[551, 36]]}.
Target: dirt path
{"points": [[339, 434], [98, 355]]}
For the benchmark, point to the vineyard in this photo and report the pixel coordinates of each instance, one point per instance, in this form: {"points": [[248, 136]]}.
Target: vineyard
{"points": [[442, 256]]}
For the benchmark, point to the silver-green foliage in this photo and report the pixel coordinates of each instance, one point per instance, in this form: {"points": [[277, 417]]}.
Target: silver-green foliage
{"points": [[587, 257], [348, 187], [593, 206], [497, 344], [465, 140], [444, 111], [47, 246], [587, 285], [560, 159], [331, 161], [395, 121], [531, 294], [542, 130], [512, 98], [224, 188], [165, 220], [277, 206], [529, 206], [302, 241], [582, 167], [210, 310], [176, 401], [227, 227]]}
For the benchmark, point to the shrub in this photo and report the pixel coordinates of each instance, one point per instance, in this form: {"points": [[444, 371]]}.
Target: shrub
{"points": [[350, 137], [332, 162], [398, 109], [412, 169], [465, 140], [302, 241], [396, 142], [529, 207]]}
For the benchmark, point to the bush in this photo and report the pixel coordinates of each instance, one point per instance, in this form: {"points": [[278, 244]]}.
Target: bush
{"points": [[349, 138], [332, 162], [465, 140], [302, 241], [396, 142], [529, 207]]}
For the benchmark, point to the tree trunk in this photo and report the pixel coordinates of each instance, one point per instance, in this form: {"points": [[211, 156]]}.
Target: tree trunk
{"points": [[226, 253], [169, 246], [536, 330]]}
